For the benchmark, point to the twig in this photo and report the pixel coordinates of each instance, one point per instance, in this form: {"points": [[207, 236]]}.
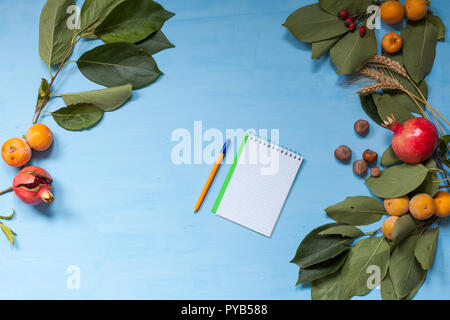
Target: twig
{"points": [[6, 190]]}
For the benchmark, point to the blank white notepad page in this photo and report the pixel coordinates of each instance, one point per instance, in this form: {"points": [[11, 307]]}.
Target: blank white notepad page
{"points": [[259, 185]]}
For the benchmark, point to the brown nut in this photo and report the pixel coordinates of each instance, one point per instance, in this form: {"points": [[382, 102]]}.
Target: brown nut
{"points": [[343, 153], [370, 156], [375, 172], [360, 167], [361, 127]]}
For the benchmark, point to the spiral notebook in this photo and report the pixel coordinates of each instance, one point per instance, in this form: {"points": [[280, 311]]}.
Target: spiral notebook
{"points": [[257, 184]]}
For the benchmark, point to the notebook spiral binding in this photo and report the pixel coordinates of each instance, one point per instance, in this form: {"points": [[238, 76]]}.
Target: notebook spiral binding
{"points": [[290, 153]]}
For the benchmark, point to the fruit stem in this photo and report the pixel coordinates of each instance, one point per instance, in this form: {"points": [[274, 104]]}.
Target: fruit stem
{"points": [[6, 190], [47, 94], [373, 233]]}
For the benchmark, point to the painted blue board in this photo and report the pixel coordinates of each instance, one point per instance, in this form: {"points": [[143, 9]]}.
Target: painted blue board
{"points": [[123, 209]]}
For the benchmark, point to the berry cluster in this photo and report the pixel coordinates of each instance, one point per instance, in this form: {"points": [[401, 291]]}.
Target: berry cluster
{"points": [[351, 22]]}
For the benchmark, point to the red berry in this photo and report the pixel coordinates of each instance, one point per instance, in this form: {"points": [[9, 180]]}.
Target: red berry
{"points": [[349, 20], [343, 14], [362, 31], [352, 26]]}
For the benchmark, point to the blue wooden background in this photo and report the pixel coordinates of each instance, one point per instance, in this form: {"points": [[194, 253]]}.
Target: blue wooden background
{"points": [[123, 209]]}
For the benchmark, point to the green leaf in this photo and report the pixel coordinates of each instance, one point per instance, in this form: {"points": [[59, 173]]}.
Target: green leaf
{"points": [[8, 233], [437, 22], [397, 181], [443, 144], [133, 21], [43, 88], [389, 157], [321, 270], [78, 116], [414, 291], [94, 12], [419, 48], [328, 288], [431, 184], [404, 270], [353, 6], [55, 37], [370, 108], [387, 289], [155, 43], [426, 248], [117, 64], [353, 51], [386, 106], [315, 248], [107, 99], [342, 230], [405, 226], [365, 253], [8, 217], [357, 211], [405, 100], [321, 47], [311, 24]]}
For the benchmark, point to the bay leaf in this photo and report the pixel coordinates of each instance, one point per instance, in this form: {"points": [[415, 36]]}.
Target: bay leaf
{"points": [[315, 248], [42, 92], [373, 251], [353, 6], [55, 37], [319, 48], [117, 64], [357, 211], [403, 227], [370, 108], [321, 270], [132, 21], [11, 215], [328, 288], [342, 230], [312, 24], [431, 183], [419, 47], [351, 52], [405, 100], [389, 157], [386, 106], [8, 233], [155, 43], [78, 116], [387, 289], [437, 22], [397, 181], [107, 99], [414, 291], [426, 247], [404, 270], [94, 12]]}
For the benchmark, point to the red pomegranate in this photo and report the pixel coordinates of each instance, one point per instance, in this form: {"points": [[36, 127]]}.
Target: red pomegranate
{"points": [[33, 186], [415, 140]]}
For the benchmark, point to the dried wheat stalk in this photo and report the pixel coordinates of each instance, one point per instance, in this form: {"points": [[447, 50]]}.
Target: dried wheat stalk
{"points": [[389, 64], [383, 81]]}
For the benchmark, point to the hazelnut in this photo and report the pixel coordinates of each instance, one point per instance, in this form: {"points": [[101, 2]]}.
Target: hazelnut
{"points": [[361, 127], [343, 153], [375, 172], [370, 156], [360, 167]]}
